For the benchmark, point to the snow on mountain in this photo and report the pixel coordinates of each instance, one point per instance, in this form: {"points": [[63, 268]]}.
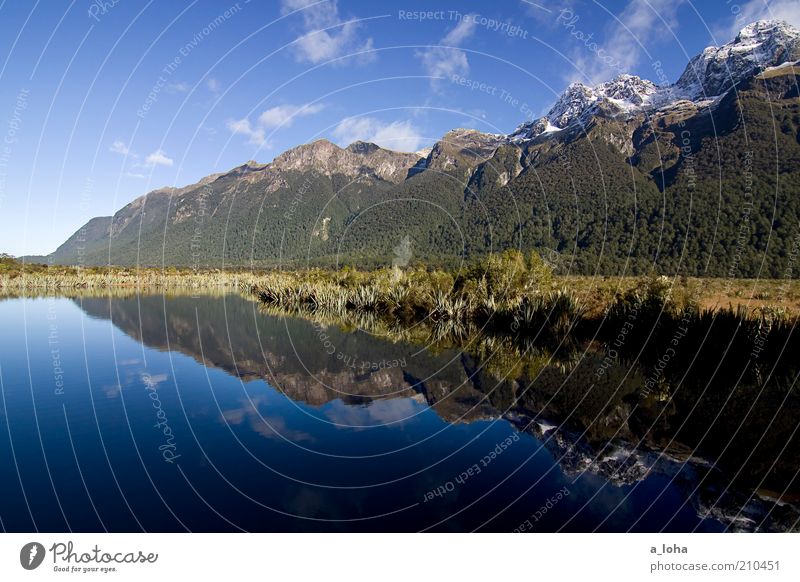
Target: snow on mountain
{"points": [[574, 101], [760, 45], [531, 129], [626, 92]]}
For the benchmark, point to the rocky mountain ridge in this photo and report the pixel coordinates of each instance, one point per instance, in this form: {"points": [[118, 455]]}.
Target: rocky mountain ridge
{"points": [[708, 76], [623, 143]]}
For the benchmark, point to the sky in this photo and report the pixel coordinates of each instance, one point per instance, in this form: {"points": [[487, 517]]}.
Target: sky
{"points": [[102, 101]]}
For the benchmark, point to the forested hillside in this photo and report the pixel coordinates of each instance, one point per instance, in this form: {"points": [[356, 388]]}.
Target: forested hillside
{"points": [[639, 179]]}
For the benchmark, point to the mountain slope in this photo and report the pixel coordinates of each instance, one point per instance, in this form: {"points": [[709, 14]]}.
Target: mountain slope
{"points": [[700, 177]]}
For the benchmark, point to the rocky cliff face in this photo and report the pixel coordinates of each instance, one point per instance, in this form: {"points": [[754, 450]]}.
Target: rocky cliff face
{"points": [[463, 149], [355, 160]]}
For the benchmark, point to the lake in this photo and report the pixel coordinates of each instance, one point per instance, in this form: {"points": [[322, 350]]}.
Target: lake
{"points": [[180, 413]]}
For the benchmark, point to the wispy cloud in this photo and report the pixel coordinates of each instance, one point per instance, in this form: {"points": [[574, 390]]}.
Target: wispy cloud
{"points": [[158, 158], [639, 25], [788, 10], [135, 167], [179, 87], [213, 85], [380, 412], [255, 135], [278, 116], [463, 30], [268, 426], [120, 147], [446, 61], [397, 135], [286, 114], [316, 44]]}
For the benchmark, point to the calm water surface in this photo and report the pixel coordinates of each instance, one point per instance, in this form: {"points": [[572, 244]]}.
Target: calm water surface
{"points": [[205, 414]]}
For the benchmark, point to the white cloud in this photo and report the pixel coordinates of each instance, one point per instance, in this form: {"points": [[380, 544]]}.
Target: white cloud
{"points": [[268, 426], [788, 10], [244, 127], [444, 61], [639, 25], [379, 412], [213, 85], [179, 87], [463, 30], [317, 45], [134, 169], [157, 158], [278, 116], [286, 114], [397, 135], [119, 147]]}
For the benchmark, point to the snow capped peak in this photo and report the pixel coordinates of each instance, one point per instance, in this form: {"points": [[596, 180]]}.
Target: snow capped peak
{"points": [[531, 129], [623, 90], [763, 29], [626, 92], [758, 45], [573, 102], [628, 88], [460, 133]]}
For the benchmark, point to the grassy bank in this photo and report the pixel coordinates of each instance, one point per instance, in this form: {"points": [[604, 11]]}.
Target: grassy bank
{"points": [[517, 297], [16, 277], [512, 287]]}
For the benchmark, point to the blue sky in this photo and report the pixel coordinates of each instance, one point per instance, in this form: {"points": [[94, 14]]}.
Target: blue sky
{"points": [[103, 101]]}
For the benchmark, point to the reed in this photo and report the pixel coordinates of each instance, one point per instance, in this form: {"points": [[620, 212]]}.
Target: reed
{"points": [[515, 296], [16, 277], [510, 295]]}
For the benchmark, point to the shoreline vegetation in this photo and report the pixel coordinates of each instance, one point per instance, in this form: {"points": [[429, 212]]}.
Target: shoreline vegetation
{"points": [[510, 293], [515, 297], [36, 278]]}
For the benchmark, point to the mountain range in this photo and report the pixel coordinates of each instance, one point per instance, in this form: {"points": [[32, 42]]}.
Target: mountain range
{"points": [[700, 177]]}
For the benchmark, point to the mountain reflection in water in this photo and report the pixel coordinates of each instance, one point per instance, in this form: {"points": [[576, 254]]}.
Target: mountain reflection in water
{"points": [[333, 428]]}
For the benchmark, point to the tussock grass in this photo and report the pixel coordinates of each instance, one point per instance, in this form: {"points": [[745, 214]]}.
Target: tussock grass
{"points": [[16, 277], [509, 294], [516, 296], [510, 290]]}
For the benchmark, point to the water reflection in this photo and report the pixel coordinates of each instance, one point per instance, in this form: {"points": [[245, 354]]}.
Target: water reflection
{"points": [[366, 420]]}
